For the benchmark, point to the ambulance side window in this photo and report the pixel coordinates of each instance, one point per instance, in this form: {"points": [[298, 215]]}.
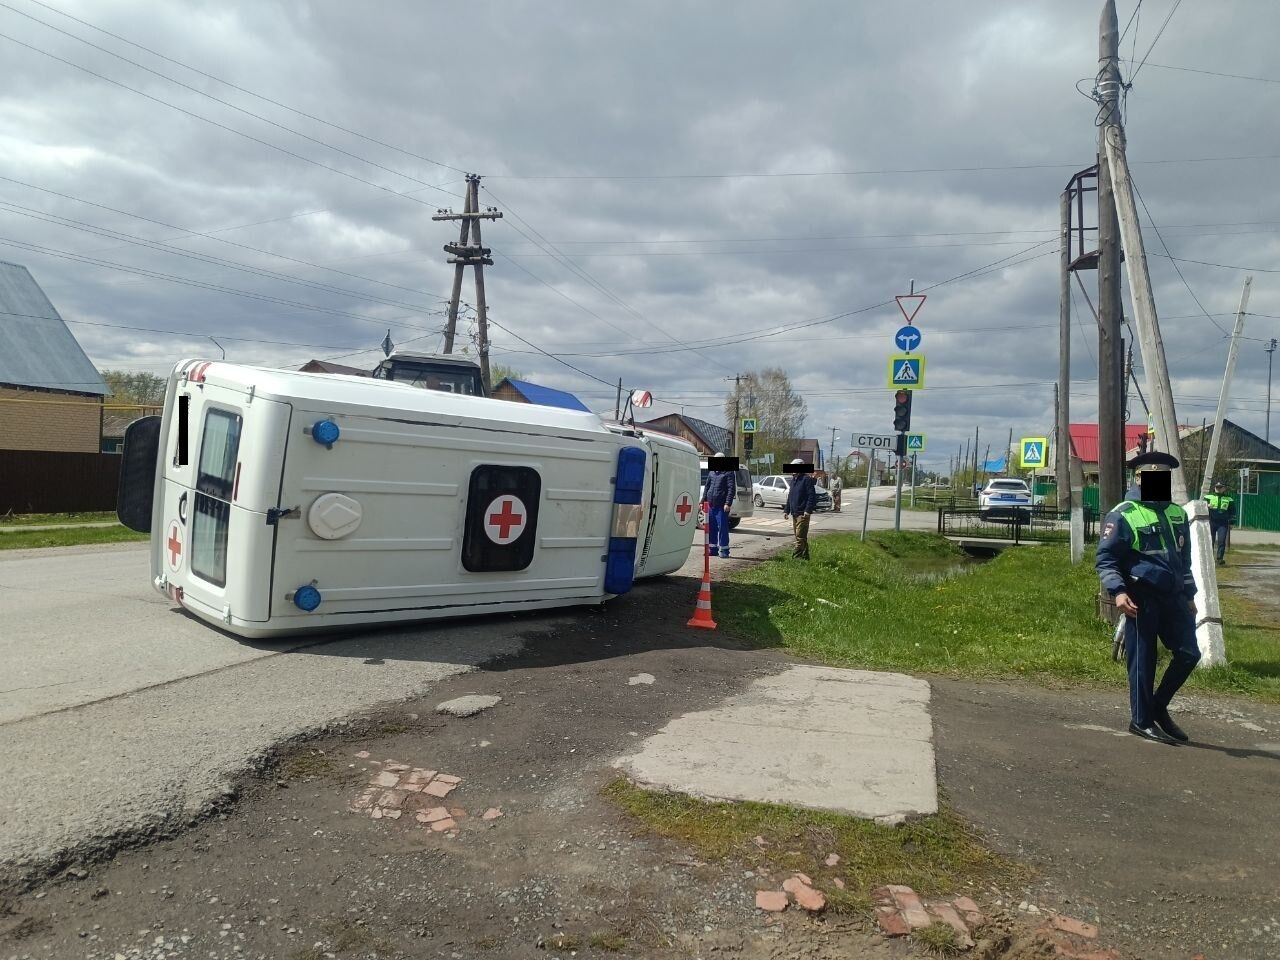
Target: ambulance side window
{"points": [[219, 447]]}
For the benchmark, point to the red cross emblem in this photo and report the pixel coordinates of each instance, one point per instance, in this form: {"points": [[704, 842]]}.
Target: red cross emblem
{"points": [[174, 544], [684, 509], [504, 520]]}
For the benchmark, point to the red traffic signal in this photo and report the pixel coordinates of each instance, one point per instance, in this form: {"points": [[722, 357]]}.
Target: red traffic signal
{"points": [[902, 411]]}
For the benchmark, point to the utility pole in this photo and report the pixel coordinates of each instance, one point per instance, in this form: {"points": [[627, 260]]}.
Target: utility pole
{"points": [[1144, 309], [1110, 308], [831, 456], [617, 405], [1271, 349], [470, 253], [1062, 394], [737, 411], [1225, 390]]}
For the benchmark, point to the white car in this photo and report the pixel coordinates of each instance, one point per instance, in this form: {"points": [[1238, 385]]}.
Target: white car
{"points": [[773, 491], [1005, 498], [742, 507]]}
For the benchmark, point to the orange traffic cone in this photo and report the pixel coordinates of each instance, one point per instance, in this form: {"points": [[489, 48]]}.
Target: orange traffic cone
{"points": [[702, 612]]}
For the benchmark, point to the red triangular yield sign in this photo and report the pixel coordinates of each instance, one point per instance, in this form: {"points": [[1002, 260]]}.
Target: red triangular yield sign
{"points": [[913, 300]]}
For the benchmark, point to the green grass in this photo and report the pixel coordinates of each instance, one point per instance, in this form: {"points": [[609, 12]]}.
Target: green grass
{"points": [[910, 602], [934, 855], [31, 519], [24, 539]]}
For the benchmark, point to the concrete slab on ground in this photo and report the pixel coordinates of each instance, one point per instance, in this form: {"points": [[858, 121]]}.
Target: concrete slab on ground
{"points": [[851, 741]]}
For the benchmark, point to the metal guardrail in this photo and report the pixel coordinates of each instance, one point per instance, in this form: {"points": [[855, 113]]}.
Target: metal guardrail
{"points": [[1036, 524]]}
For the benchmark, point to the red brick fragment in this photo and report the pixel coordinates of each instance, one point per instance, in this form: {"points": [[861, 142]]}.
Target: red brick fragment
{"points": [[440, 826], [432, 815], [448, 778], [891, 923], [832, 859], [493, 813], [1071, 925], [965, 905], [437, 789], [391, 800], [838, 882], [771, 901]]}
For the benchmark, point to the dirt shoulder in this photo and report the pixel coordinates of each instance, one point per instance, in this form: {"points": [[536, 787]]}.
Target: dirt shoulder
{"points": [[290, 872]]}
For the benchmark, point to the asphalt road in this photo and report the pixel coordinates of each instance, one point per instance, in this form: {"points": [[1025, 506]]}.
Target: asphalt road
{"points": [[121, 714]]}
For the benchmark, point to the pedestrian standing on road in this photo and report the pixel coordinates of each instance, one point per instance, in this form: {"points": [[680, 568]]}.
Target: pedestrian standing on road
{"points": [[1222, 510], [837, 485], [720, 489], [802, 500], [1144, 562]]}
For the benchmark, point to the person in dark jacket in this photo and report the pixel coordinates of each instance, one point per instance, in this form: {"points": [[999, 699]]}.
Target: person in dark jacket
{"points": [[1221, 514], [1144, 562], [718, 495], [802, 500]]}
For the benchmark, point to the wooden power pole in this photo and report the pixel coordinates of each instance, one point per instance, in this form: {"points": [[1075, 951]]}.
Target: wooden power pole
{"points": [[1211, 462], [1110, 307], [469, 252], [1062, 445]]}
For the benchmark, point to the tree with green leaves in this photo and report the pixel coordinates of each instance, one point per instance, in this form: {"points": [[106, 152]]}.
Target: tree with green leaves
{"points": [[779, 410], [140, 389], [500, 371]]}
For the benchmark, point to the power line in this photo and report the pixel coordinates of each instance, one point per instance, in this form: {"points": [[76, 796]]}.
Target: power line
{"points": [[222, 126], [1155, 40], [1167, 251], [108, 233], [1064, 165], [210, 235], [225, 103], [233, 86], [201, 284]]}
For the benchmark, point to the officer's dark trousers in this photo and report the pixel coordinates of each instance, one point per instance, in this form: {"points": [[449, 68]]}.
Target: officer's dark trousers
{"points": [[1219, 532], [1171, 620]]}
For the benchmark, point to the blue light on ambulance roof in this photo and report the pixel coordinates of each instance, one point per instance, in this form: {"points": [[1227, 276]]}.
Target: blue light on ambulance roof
{"points": [[307, 598], [326, 432]]}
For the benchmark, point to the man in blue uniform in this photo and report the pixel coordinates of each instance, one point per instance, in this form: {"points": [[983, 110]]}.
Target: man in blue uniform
{"points": [[1144, 562], [720, 488], [1221, 513]]}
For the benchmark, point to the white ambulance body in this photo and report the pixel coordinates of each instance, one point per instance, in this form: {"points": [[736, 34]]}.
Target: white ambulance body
{"points": [[305, 502]]}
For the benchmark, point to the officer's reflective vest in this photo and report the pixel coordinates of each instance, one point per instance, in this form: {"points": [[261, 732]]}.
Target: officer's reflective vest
{"points": [[1219, 503], [1148, 532]]}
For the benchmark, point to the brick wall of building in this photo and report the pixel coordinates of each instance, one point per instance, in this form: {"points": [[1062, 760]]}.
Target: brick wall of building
{"points": [[44, 420]]}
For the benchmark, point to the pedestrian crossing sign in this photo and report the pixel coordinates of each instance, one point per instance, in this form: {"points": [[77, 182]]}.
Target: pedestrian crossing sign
{"points": [[1035, 452], [915, 443], [906, 372]]}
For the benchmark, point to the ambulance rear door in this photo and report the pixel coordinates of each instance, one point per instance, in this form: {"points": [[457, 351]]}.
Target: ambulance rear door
{"points": [[221, 463]]}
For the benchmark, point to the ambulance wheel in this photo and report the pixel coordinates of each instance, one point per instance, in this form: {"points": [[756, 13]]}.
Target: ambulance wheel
{"points": [[733, 522]]}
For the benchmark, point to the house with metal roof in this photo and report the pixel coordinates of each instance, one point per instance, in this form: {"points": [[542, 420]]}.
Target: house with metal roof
{"points": [[707, 437], [50, 392], [522, 391]]}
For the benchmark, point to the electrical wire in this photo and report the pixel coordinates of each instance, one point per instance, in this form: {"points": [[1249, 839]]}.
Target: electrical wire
{"points": [[1169, 253], [108, 233], [209, 234], [1155, 40], [244, 90], [201, 284], [221, 126]]}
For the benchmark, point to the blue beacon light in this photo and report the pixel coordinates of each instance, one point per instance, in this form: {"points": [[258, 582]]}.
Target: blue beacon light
{"points": [[326, 432], [306, 598]]}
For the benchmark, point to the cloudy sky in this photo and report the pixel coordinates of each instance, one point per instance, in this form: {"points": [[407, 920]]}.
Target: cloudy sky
{"points": [[684, 186]]}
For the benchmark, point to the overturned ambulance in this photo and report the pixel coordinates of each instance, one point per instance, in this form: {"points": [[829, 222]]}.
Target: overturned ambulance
{"points": [[284, 502]]}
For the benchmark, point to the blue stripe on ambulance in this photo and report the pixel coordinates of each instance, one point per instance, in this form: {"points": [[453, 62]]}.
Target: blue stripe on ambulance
{"points": [[628, 490]]}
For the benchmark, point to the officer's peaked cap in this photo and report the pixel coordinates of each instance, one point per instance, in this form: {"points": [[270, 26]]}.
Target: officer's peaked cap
{"points": [[1156, 458], [1219, 483]]}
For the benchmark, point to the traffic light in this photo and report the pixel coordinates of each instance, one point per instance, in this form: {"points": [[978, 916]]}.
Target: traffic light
{"points": [[902, 411]]}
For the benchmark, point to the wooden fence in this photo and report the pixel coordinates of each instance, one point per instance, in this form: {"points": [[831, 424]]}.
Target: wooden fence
{"points": [[38, 481]]}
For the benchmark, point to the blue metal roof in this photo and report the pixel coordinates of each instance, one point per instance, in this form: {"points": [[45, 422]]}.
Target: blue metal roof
{"points": [[36, 348], [547, 397]]}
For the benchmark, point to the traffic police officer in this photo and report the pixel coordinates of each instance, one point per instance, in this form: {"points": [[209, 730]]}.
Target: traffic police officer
{"points": [[1221, 510], [1144, 562]]}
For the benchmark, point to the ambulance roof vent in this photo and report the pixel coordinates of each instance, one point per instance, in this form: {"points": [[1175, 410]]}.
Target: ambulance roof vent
{"points": [[334, 516]]}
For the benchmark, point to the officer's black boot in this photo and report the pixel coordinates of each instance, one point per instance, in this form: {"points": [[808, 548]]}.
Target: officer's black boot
{"points": [[1152, 733]]}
